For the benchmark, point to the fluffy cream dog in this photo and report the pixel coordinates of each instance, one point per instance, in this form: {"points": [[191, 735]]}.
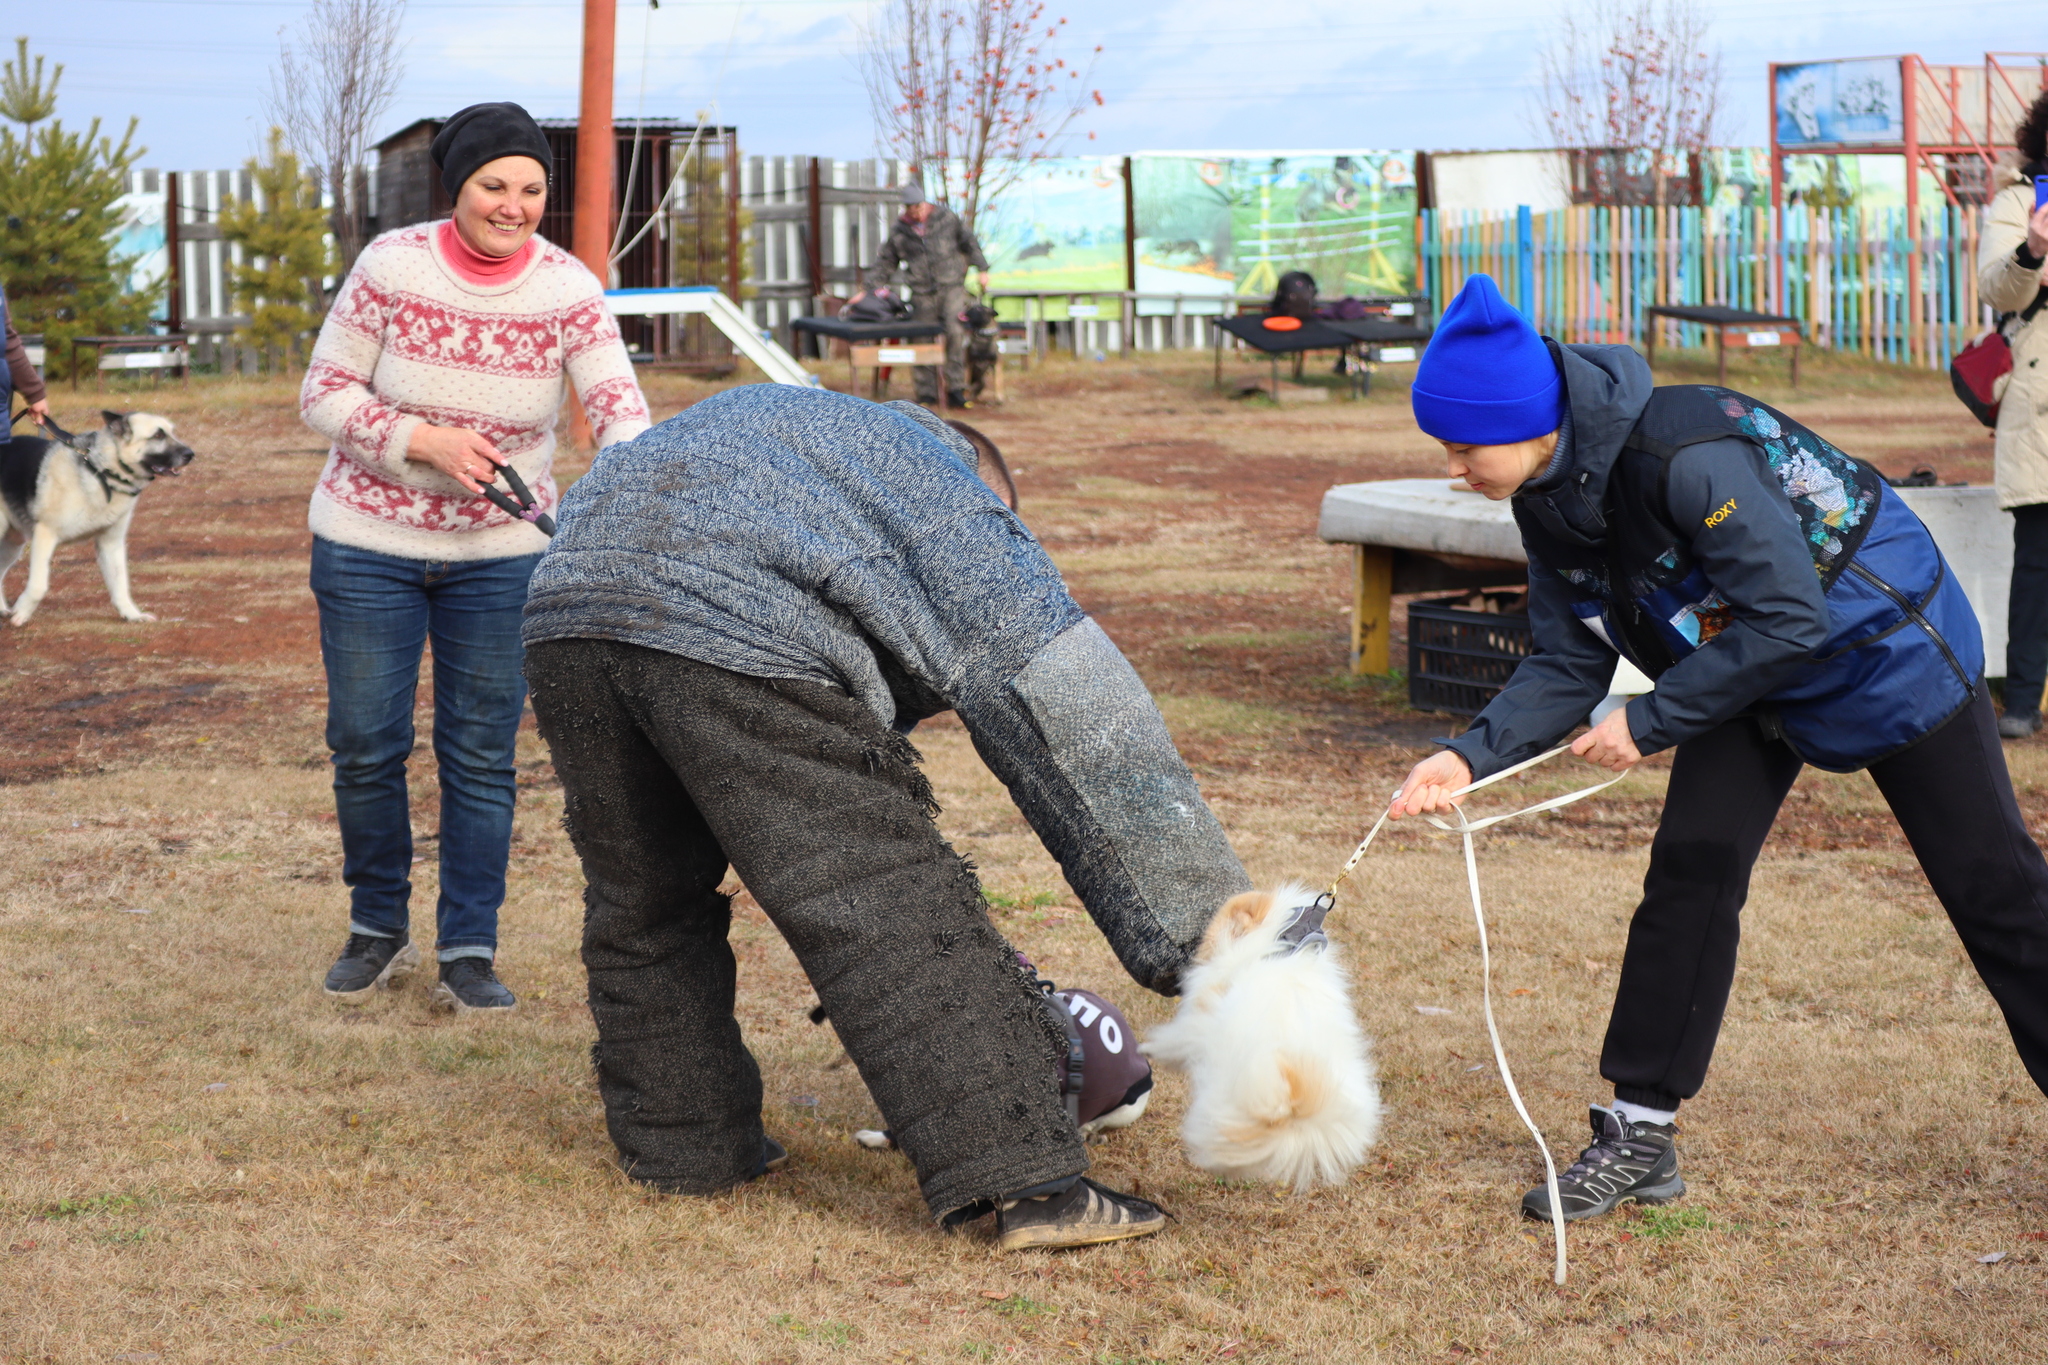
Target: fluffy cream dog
{"points": [[1282, 1087]]}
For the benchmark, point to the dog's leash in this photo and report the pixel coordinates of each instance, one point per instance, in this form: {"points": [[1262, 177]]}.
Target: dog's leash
{"points": [[1465, 828], [520, 504]]}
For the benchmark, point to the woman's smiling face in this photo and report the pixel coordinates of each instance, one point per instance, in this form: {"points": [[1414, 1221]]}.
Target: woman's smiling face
{"points": [[501, 204]]}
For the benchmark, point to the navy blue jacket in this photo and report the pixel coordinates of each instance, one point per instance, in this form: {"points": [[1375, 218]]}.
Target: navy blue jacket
{"points": [[1848, 661]]}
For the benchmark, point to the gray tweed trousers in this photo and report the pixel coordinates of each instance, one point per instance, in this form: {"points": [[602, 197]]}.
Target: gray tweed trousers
{"points": [[672, 770]]}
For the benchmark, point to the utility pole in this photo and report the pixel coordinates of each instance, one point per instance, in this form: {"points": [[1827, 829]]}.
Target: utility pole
{"points": [[596, 149]]}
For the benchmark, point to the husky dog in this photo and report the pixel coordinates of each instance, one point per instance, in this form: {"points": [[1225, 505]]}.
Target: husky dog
{"points": [[66, 489], [1282, 1088]]}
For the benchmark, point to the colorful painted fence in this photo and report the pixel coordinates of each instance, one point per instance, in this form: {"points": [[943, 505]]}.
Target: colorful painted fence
{"points": [[1853, 276]]}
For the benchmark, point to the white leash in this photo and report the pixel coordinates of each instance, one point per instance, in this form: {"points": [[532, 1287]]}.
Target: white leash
{"points": [[1465, 829]]}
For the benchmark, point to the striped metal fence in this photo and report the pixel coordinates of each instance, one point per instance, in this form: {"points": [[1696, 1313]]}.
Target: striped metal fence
{"points": [[1854, 277]]}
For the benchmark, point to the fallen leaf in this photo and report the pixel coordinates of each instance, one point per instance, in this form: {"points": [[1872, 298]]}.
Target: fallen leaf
{"points": [[1523, 990], [1991, 1258], [1228, 1350], [998, 1295], [1595, 967]]}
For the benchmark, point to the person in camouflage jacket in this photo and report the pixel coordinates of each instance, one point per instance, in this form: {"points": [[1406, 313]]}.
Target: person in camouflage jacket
{"points": [[934, 248]]}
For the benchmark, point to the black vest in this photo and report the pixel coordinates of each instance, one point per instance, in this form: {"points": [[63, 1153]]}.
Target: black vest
{"points": [[1833, 494]]}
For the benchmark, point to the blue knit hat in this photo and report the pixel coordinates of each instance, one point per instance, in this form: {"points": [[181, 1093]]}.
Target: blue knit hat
{"points": [[1487, 378]]}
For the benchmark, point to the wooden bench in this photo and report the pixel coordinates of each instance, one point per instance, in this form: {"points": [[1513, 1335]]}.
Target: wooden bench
{"points": [[1731, 327]]}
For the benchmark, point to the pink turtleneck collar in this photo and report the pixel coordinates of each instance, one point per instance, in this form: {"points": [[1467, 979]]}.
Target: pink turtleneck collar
{"points": [[474, 266]]}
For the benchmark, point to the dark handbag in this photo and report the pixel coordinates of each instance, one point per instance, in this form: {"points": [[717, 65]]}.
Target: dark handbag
{"points": [[1981, 370], [877, 305]]}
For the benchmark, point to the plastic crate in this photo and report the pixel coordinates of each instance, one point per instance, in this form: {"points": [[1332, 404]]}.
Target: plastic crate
{"points": [[1463, 649]]}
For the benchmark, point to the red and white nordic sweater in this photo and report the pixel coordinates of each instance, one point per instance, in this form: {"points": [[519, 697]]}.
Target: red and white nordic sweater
{"points": [[408, 341]]}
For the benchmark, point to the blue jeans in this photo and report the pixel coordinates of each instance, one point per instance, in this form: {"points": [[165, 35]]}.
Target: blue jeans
{"points": [[376, 613]]}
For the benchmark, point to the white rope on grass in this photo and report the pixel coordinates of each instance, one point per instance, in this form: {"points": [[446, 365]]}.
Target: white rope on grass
{"points": [[1465, 829]]}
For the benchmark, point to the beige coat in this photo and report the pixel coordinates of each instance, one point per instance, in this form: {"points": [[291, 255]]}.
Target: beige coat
{"points": [[2008, 287]]}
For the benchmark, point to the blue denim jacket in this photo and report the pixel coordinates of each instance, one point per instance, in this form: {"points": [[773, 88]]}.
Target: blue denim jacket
{"points": [[782, 532]]}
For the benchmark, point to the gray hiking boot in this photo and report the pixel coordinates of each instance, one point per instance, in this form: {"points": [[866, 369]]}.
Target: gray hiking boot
{"points": [[1080, 1215], [368, 964], [1627, 1161], [469, 984]]}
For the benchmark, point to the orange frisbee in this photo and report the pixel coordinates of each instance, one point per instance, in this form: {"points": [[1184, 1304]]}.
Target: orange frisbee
{"points": [[1282, 324]]}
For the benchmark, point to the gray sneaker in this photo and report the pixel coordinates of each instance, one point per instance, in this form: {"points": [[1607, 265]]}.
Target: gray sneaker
{"points": [[2014, 726], [1081, 1215], [368, 964], [468, 984], [1627, 1161]]}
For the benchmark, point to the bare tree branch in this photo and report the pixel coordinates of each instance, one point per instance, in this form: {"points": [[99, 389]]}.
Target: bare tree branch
{"points": [[1634, 90], [328, 92], [970, 93]]}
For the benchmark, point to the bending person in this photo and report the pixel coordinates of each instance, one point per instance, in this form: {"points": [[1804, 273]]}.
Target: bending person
{"points": [[742, 614], [1793, 610]]}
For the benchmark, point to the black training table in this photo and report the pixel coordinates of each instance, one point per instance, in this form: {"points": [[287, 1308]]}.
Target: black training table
{"points": [[1313, 335], [841, 330], [1753, 329], [866, 334]]}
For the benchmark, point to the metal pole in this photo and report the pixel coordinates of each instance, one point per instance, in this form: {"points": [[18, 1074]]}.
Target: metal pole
{"points": [[174, 304], [596, 155], [1909, 80], [595, 152]]}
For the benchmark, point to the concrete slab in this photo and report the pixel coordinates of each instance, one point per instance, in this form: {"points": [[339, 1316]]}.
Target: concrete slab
{"points": [[1976, 539], [1428, 516]]}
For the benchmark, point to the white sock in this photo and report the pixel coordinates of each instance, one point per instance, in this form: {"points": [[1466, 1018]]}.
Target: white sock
{"points": [[1631, 1112]]}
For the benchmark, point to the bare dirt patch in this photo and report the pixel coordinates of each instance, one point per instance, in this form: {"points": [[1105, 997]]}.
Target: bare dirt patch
{"points": [[206, 1162]]}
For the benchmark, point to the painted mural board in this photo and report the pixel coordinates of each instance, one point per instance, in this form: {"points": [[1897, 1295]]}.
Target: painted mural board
{"points": [[1840, 103], [1233, 223], [1060, 226]]}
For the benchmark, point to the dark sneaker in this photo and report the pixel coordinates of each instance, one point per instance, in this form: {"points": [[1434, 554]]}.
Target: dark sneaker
{"points": [[774, 1156], [1636, 1161], [2011, 726], [1081, 1215], [368, 963], [468, 984], [957, 398]]}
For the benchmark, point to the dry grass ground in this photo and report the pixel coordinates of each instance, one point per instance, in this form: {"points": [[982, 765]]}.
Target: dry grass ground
{"points": [[207, 1162]]}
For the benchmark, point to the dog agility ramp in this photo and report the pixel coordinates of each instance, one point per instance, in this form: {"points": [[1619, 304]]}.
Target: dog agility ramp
{"points": [[753, 342]]}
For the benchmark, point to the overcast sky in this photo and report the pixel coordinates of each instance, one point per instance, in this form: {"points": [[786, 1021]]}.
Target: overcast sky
{"points": [[1188, 75]]}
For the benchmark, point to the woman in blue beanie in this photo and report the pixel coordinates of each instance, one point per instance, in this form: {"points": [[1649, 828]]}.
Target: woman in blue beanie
{"points": [[1793, 610]]}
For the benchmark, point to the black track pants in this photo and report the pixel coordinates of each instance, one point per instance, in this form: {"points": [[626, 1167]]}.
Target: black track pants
{"points": [[671, 769], [1954, 801], [2026, 617]]}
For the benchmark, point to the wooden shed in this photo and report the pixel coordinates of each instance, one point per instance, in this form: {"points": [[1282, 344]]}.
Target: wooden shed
{"points": [[694, 238]]}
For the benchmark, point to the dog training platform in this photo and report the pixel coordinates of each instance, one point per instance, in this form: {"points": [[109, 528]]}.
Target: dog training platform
{"points": [[1736, 327], [1420, 535], [879, 345]]}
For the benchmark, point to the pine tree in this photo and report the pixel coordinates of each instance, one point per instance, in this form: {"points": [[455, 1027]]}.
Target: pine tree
{"points": [[59, 193], [285, 253]]}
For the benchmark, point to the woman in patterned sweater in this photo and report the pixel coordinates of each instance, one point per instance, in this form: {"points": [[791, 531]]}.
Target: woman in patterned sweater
{"points": [[444, 358]]}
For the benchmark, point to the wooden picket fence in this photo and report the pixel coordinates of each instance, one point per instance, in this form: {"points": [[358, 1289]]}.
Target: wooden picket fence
{"points": [[1855, 278]]}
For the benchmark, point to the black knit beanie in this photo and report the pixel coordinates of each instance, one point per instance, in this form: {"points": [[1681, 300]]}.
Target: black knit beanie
{"points": [[482, 133]]}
